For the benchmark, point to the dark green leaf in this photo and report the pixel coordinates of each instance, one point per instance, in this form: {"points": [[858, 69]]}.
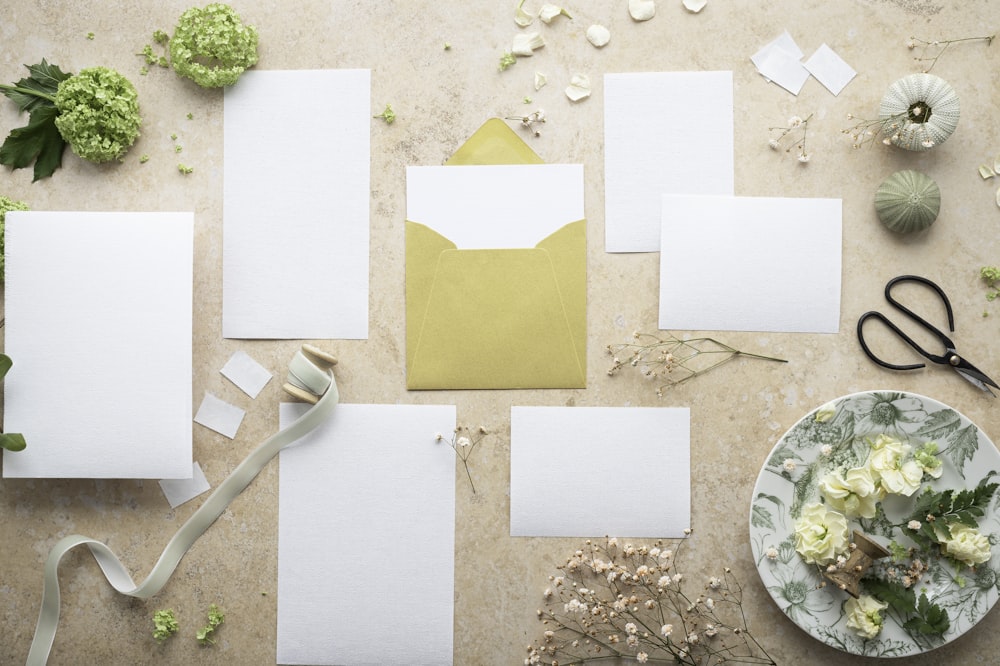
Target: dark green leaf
{"points": [[38, 141], [44, 78], [12, 441], [900, 599], [5, 365]]}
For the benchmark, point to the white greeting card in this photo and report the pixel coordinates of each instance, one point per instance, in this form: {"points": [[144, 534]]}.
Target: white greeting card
{"points": [[664, 132], [296, 205], [750, 264], [99, 326], [366, 527], [559, 459]]}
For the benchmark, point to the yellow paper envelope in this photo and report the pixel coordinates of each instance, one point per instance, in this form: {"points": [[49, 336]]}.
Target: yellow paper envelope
{"points": [[496, 318]]}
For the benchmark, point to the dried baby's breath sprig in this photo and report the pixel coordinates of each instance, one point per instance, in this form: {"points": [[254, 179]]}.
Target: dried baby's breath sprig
{"points": [[614, 599], [931, 51], [464, 441], [793, 136], [671, 361], [531, 121], [888, 130]]}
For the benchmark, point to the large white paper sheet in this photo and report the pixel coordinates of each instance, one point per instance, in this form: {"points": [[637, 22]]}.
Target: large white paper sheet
{"points": [[98, 323], [559, 454], [750, 264], [664, 133], [495, 206], [296, 205], [366, 538]]}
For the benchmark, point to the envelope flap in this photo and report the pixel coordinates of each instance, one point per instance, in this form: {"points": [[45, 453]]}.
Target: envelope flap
{"points": [[494, 143], [423, 247], [479, 295], [567, 250]]}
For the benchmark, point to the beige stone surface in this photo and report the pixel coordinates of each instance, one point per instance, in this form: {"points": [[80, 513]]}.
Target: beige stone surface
{"points": [[441, 96]]}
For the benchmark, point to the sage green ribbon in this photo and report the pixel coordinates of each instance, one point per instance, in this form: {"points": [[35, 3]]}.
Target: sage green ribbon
{"points": [[302, 371]]}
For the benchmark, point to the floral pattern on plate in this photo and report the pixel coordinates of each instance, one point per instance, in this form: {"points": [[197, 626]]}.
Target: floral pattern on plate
{"points": [[835, 436]]}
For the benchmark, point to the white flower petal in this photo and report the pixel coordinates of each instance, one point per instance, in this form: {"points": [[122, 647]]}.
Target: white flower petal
{"points": [[550, 11], [641, 10], [521, 17], [578, 88], [526, 42], [694, 6], [539, 80], [598, 35]]}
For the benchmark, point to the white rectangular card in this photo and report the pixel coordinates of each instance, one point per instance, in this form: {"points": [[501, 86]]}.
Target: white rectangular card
{"points": [[558, 452], [99, 326], [366, 538], [296, 205], [781, 259], [664, 132]]}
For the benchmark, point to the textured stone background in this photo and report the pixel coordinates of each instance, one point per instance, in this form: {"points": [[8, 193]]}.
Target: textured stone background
{"points": [[441, 97]]}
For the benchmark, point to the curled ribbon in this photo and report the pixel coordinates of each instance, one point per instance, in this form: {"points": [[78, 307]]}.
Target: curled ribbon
{"points": [[308, 371]]}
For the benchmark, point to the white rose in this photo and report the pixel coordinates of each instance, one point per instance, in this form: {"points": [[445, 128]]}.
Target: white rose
{"points": [[967, 545], [854, 493], [886, 461], [864, 615], [820, 534]]}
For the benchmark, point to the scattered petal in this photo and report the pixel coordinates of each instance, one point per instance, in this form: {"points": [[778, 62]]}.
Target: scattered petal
{"points": [[539, 80], [641, 10], [521, 17], [525, 43], [998, 197], [986, 172], [694, 6], [549, 12], [598, 35], [578, 88]]}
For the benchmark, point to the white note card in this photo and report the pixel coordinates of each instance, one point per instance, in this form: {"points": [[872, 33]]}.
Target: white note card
{"points": [[560, 454], [366, 527], [295, 205], [750, 264], [664, 132], [99, 326]]}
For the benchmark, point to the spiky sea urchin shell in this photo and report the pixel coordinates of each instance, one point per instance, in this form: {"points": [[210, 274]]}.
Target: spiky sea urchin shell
{"points": [[928, 110], [908, 201]]}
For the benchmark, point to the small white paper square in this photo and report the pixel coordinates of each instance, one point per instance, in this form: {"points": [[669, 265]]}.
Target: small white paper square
{"points": [[248, 375], [558, 452], [830, 69], [219, 415], [98, 323], [785, 254], [179, 491], [780, 61], [370, 482], [783, 42]]}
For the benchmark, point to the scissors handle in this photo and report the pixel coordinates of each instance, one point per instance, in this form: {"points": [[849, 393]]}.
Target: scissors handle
{"points": [[949, 358]]}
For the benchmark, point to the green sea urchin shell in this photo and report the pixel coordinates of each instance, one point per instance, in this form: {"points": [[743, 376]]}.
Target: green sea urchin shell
{"points": [[926, 110], [908, 201]]}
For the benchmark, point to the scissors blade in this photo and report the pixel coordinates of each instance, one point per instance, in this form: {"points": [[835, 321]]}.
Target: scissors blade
{"points": [[973, 375]]}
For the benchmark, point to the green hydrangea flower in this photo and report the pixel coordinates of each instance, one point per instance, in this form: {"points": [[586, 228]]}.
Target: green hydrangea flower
{"points": [[212, 47], [7, 205], [98, 114]]}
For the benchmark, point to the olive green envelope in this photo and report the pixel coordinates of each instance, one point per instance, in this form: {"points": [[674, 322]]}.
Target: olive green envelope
{"points": [[496, 318]]}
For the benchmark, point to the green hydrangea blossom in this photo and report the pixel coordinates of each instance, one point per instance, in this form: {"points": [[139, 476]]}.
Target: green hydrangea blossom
{"points": [[98, 114], [212, 46], [164, 624], [7, 205]]}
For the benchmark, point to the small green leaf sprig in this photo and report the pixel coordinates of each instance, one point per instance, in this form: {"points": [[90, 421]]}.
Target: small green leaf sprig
{"points": [[215, 620], [95, 111], [671, 361]]}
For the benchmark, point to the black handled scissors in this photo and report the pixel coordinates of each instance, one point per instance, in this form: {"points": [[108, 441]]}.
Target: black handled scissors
{"points": [[950, 357]]}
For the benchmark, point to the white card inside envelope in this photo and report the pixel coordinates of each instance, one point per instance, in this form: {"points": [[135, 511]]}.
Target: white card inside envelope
{"points": [[98, 323], [556, 451], [371, 479], [750, 264], [495, 206]]}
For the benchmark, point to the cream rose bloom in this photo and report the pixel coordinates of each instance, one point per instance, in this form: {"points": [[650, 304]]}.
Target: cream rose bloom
{"points": [[864, 615], [854, 492], [893, 473], [820, 534], [967, 545]]}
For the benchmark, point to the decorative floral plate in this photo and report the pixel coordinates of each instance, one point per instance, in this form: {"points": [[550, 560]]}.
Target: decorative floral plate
{"points": [[838, 436]]}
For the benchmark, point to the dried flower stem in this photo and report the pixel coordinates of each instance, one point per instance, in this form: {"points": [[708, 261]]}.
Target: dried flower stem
{"points": [[942, 46], [672, 360], [795, 126], [464, 442]]}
